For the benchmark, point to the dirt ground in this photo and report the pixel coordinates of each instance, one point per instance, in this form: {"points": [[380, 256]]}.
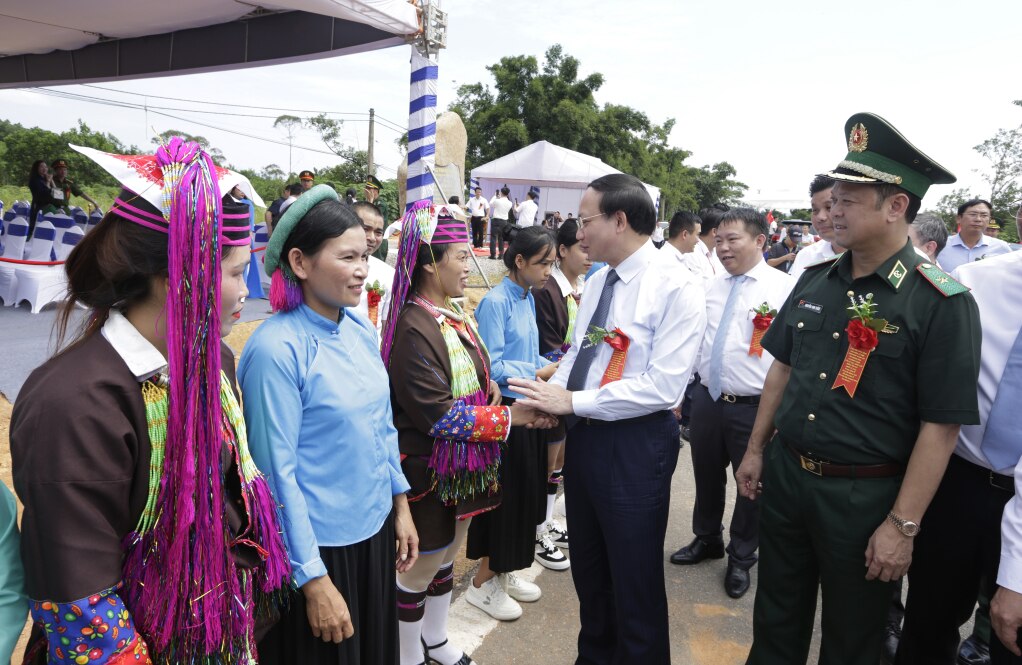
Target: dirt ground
{"points": [[236, 340]]}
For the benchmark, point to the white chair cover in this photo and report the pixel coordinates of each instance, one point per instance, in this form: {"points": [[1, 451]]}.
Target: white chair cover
{"points": [[68, 242], [41, 246], [14, 248]]}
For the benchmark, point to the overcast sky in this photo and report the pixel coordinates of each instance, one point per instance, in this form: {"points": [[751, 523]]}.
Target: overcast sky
{"points": [[766, 86]]}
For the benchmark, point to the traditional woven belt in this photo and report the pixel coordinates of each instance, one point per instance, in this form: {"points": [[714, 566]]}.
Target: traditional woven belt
{"points": [[831, 470]]}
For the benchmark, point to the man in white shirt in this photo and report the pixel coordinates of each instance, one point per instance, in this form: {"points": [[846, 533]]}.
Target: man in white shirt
{"points": [[964, 533], [732, 369], [929, 235], [705, 249], [970, 243], [381, 276], [622, 439], [500, 205], [682, 239], [819, 200], [478, 206], [526, 211]]}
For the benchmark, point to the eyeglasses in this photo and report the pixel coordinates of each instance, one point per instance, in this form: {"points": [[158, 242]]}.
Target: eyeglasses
{"points": [[582, 221], [977, 215]]}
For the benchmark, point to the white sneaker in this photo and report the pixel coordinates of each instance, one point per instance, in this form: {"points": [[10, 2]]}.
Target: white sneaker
{"points": [[492, 599], [549, 556], [558, 534], [519, 589]]}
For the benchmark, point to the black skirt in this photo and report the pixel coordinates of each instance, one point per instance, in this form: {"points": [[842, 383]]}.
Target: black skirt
{"points": [[364, 574], [507, 534]]}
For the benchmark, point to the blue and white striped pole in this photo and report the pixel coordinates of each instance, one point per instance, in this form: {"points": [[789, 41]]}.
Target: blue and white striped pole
{"points": [[421, 130]]}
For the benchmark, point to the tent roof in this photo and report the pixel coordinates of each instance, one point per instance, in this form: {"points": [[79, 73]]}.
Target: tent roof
{"points": [[544, 162], [71, 41]]}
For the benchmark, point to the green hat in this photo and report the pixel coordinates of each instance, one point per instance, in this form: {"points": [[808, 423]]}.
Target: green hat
{"points": [[372, 182], [289, 220], [878, 153]]}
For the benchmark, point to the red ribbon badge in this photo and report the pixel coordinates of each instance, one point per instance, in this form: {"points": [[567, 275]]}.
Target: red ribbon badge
{"points": [[760, 324], [616, 367], [861, 342], [373, 297]]}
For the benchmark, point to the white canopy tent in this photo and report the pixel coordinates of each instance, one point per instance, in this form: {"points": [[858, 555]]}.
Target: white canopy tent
{"points": [[561, 175], [69, 41]]}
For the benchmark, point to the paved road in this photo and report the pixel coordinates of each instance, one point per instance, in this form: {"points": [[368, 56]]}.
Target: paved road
{"points": [[707, 627]]}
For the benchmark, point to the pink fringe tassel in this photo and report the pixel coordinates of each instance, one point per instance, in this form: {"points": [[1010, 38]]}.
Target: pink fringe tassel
{"points": [[285, 293]]}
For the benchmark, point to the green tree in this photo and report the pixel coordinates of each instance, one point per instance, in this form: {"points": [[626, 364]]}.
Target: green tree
{"points": [[798, 213], [530, 102], [21, 146], [290, 125]]}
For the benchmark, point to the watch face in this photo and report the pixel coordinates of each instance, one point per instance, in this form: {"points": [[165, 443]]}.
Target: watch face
{"points": [[910, 528]]}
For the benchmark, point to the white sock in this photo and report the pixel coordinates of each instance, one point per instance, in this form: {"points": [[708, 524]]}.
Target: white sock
{"points": [[409, 634], [550, 500], [434, 630]]}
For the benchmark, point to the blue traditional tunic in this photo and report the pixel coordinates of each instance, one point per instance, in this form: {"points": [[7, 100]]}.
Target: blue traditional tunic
{"points": [[507, 323], [317, 406]]}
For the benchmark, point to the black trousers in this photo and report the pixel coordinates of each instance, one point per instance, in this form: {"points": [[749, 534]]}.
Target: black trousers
{"points": [[720, 435], [477, 231], [618, 492], [959, 545], [497, 237], [686, 403]]}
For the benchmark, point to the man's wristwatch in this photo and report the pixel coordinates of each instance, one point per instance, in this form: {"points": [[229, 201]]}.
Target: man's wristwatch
{"points": [[907, 527]]}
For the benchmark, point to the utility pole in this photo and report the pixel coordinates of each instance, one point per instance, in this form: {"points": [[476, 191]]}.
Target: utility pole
{"points": [[372, 133]]}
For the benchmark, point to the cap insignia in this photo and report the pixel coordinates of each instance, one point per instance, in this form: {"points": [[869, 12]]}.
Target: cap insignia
{"points": [[858, 139]]}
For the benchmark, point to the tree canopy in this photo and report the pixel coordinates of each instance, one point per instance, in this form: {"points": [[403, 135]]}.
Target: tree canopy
{"points": [[530, 103], [21, 146]]}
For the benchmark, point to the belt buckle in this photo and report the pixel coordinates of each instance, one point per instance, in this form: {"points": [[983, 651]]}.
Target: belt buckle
{"points": [[811, 466], [730, 399]]}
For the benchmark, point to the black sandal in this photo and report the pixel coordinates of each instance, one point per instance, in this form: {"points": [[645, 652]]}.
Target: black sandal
{"points": [[464, 660]]}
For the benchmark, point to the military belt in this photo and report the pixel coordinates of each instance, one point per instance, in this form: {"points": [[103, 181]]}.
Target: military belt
{"points": [[831, 470]]}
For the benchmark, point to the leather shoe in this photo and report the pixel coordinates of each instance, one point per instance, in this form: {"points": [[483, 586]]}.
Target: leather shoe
{"points": [[892, 635], [696, 551], [973, 652], [736, 581]]}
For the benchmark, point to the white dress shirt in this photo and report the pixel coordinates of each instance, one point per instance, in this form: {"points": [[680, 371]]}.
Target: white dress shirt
{"points": [[477, 206], [698, 260], [382, 272], [662, 309], [957, 253], [499, 205], [715, 264], [526, 212], [996, 285], [818, 251], [743, 375]]}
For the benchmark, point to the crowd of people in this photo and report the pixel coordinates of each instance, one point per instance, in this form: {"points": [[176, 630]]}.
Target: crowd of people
{"points": [[52, 191], [309, 507]]}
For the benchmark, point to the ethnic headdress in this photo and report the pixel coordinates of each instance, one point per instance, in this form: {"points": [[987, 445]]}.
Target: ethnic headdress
{"points": [[180, 577], [424, 224]]}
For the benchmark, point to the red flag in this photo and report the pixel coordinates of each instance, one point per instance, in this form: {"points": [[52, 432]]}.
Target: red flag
{"points": [[770, 217]]}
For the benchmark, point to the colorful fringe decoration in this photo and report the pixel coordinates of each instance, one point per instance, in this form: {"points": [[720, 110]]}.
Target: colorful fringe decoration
{"points": [[463, 467], [415, 221], [285, 292], [181, 582]]}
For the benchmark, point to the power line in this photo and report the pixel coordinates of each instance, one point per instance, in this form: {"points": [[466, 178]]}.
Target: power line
{"points": [[76, 97]]}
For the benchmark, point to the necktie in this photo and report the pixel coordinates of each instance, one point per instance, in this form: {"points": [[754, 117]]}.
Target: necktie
{"points": [[717, 351], [587, 352], [1002, 442]]}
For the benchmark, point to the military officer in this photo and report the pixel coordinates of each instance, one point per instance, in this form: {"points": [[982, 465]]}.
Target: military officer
{"points": [[876, 360]]}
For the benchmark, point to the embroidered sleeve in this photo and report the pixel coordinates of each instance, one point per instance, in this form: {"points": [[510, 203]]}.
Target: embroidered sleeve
{"points": [[473, 423], [97, 630]]}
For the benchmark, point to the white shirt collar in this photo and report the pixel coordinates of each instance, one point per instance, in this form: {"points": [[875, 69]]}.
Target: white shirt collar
{"points": [[142, 358], [562, 282], [759, 270], [638, 260], [956, 239]]}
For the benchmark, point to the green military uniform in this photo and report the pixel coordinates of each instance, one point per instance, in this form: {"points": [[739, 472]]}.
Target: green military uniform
{"points": [[68, 187], [814, 530]]}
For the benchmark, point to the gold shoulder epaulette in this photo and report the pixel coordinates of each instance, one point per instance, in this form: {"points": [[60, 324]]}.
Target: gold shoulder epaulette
{"points": [[943, 282]]}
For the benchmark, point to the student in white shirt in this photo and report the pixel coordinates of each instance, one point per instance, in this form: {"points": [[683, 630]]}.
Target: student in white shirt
{"points": [[380, 279], [732, 371], [527, 209], [622, 439], [478, 206], [819, 197]]}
